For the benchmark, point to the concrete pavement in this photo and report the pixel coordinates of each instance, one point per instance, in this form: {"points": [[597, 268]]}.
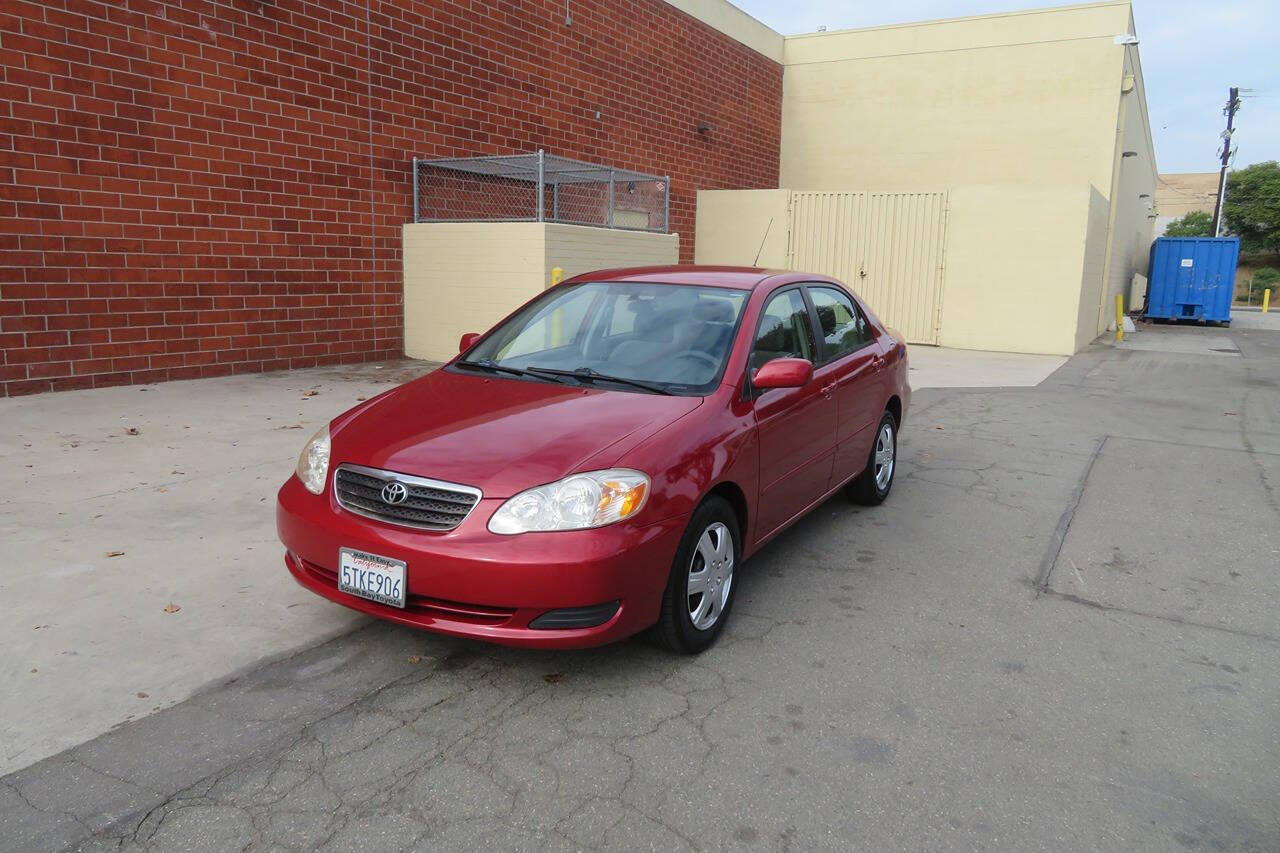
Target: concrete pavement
{"points": [[1059, 633], [104, 531], [939, 367], [138, 554]]}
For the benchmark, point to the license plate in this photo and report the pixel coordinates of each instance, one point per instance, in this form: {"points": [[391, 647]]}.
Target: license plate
{"points": [[369, 576]]}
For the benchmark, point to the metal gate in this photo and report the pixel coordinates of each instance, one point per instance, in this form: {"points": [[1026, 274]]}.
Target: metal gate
{"points": [[887, 246]]}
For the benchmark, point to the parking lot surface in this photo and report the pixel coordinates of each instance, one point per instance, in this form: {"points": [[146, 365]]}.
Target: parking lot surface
{"points": [[138, 555], [1061, 632]]}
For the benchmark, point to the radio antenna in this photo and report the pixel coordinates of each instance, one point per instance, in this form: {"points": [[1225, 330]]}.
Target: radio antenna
{"points": [[756, 262]]}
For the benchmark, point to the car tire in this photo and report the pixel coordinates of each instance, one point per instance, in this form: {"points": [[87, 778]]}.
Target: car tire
{"points": [[708, 558], [872, 486]]}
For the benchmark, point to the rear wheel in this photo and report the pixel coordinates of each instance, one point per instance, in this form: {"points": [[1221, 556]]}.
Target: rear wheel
{"points": [[872, 486], [700, 588]]}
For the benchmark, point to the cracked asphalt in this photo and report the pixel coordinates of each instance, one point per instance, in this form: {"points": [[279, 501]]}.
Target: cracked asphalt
{"points": [[1061, 632]]}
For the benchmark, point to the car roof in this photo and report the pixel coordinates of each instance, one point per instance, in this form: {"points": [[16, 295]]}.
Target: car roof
{"points": [[740, 278]]}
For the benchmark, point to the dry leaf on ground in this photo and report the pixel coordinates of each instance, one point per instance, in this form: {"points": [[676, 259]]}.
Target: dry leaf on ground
{"points": [[172, 608]]}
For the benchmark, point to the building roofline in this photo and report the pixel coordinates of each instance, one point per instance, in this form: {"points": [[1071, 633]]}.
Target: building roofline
{"points": [[729, 20], [1044, 10]]}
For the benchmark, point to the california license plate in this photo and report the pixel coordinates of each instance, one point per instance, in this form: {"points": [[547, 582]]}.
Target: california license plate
{"points": [[369, 576]]}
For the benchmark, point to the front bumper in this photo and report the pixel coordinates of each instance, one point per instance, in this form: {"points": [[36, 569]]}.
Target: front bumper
{"points": [[469, 582]]}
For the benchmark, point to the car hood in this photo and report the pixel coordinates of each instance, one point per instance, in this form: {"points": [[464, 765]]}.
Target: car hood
{"points": [[501, 435]]}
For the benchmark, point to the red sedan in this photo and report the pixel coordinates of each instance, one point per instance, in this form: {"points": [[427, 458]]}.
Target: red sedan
{"points": [[602, 460]]}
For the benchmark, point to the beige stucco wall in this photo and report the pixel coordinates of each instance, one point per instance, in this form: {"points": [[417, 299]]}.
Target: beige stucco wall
{"points": [[465, 276], [1179, 193], [1042, 101], [578, 249], [1023, 98], [733, 225], [1094, 268], [1016, 259], [1132, 215], [1013, 267]]}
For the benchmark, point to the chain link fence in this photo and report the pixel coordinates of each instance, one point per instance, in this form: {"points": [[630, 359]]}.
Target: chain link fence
{"points": [[539, 188]]}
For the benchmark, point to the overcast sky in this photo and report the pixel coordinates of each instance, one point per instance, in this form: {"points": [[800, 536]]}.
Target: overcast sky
{"points": [[1191, 53]]}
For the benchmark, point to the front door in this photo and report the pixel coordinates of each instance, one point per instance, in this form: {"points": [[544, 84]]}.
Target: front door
{"points": [[796, 426]]}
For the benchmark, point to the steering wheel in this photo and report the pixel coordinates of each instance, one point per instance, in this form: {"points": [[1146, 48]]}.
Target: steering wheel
{"points": [[696, 355]]}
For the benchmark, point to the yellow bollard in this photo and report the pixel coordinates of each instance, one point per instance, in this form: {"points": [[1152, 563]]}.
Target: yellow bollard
{"points": [[1266, 300], [557, 316], [1119, 317]]}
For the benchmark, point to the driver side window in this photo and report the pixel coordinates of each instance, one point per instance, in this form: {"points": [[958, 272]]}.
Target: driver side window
{"points": [[784, 330]]}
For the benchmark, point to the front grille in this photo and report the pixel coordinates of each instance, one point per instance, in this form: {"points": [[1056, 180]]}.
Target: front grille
{"points": [[430, 504]]}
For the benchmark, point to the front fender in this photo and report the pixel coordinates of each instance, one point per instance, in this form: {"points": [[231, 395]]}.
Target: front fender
{"points": [[687, 459]]}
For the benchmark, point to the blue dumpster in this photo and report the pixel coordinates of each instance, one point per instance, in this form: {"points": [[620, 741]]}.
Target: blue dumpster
{"points": [[1192, 278]]}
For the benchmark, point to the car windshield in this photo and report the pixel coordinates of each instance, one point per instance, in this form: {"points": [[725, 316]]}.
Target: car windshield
{"points": [[675, 338]]}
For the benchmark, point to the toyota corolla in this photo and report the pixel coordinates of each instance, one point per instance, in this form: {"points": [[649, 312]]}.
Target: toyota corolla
{"points": [[602, 461]]}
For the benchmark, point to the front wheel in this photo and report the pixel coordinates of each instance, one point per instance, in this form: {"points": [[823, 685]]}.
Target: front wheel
{"points": [[700, 588], [872, 486]]}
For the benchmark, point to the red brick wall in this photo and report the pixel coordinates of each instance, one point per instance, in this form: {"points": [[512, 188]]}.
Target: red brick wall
{"points": [[196, 188]]}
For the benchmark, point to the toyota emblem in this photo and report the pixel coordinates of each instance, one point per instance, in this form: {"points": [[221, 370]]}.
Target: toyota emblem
{"points": [[395, 493]]}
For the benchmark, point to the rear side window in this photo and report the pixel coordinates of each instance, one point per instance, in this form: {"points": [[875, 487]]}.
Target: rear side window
{"points": [[843, 326], [784, 330]]}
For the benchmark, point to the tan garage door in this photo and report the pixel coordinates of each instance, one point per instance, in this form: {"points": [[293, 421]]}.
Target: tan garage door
{"points": [[886, 246]]}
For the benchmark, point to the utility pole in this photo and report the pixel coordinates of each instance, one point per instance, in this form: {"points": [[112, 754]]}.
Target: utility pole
{"points": [[1233, 104]]}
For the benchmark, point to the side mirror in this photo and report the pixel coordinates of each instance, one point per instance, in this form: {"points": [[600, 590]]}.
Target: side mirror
{"points": [[783, 373], [468, 341]]}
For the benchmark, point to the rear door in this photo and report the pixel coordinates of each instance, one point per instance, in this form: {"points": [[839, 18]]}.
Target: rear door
{"points": [[796, 426], [850, 366]]}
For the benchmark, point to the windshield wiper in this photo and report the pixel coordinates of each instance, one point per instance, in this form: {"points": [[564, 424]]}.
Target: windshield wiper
{"points": [[589, 375], [493, 367]]}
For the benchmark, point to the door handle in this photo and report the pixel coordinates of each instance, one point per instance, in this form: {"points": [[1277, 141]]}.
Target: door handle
{"points": [[877, 362], [827, 390]]}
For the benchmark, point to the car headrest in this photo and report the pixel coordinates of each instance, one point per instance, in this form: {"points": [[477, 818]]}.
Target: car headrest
{"points": [[712, 311], [827, 317]]}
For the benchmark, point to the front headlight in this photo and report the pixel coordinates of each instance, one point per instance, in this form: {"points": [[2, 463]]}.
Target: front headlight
{"points": [[313, 464], [593, 499]]}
